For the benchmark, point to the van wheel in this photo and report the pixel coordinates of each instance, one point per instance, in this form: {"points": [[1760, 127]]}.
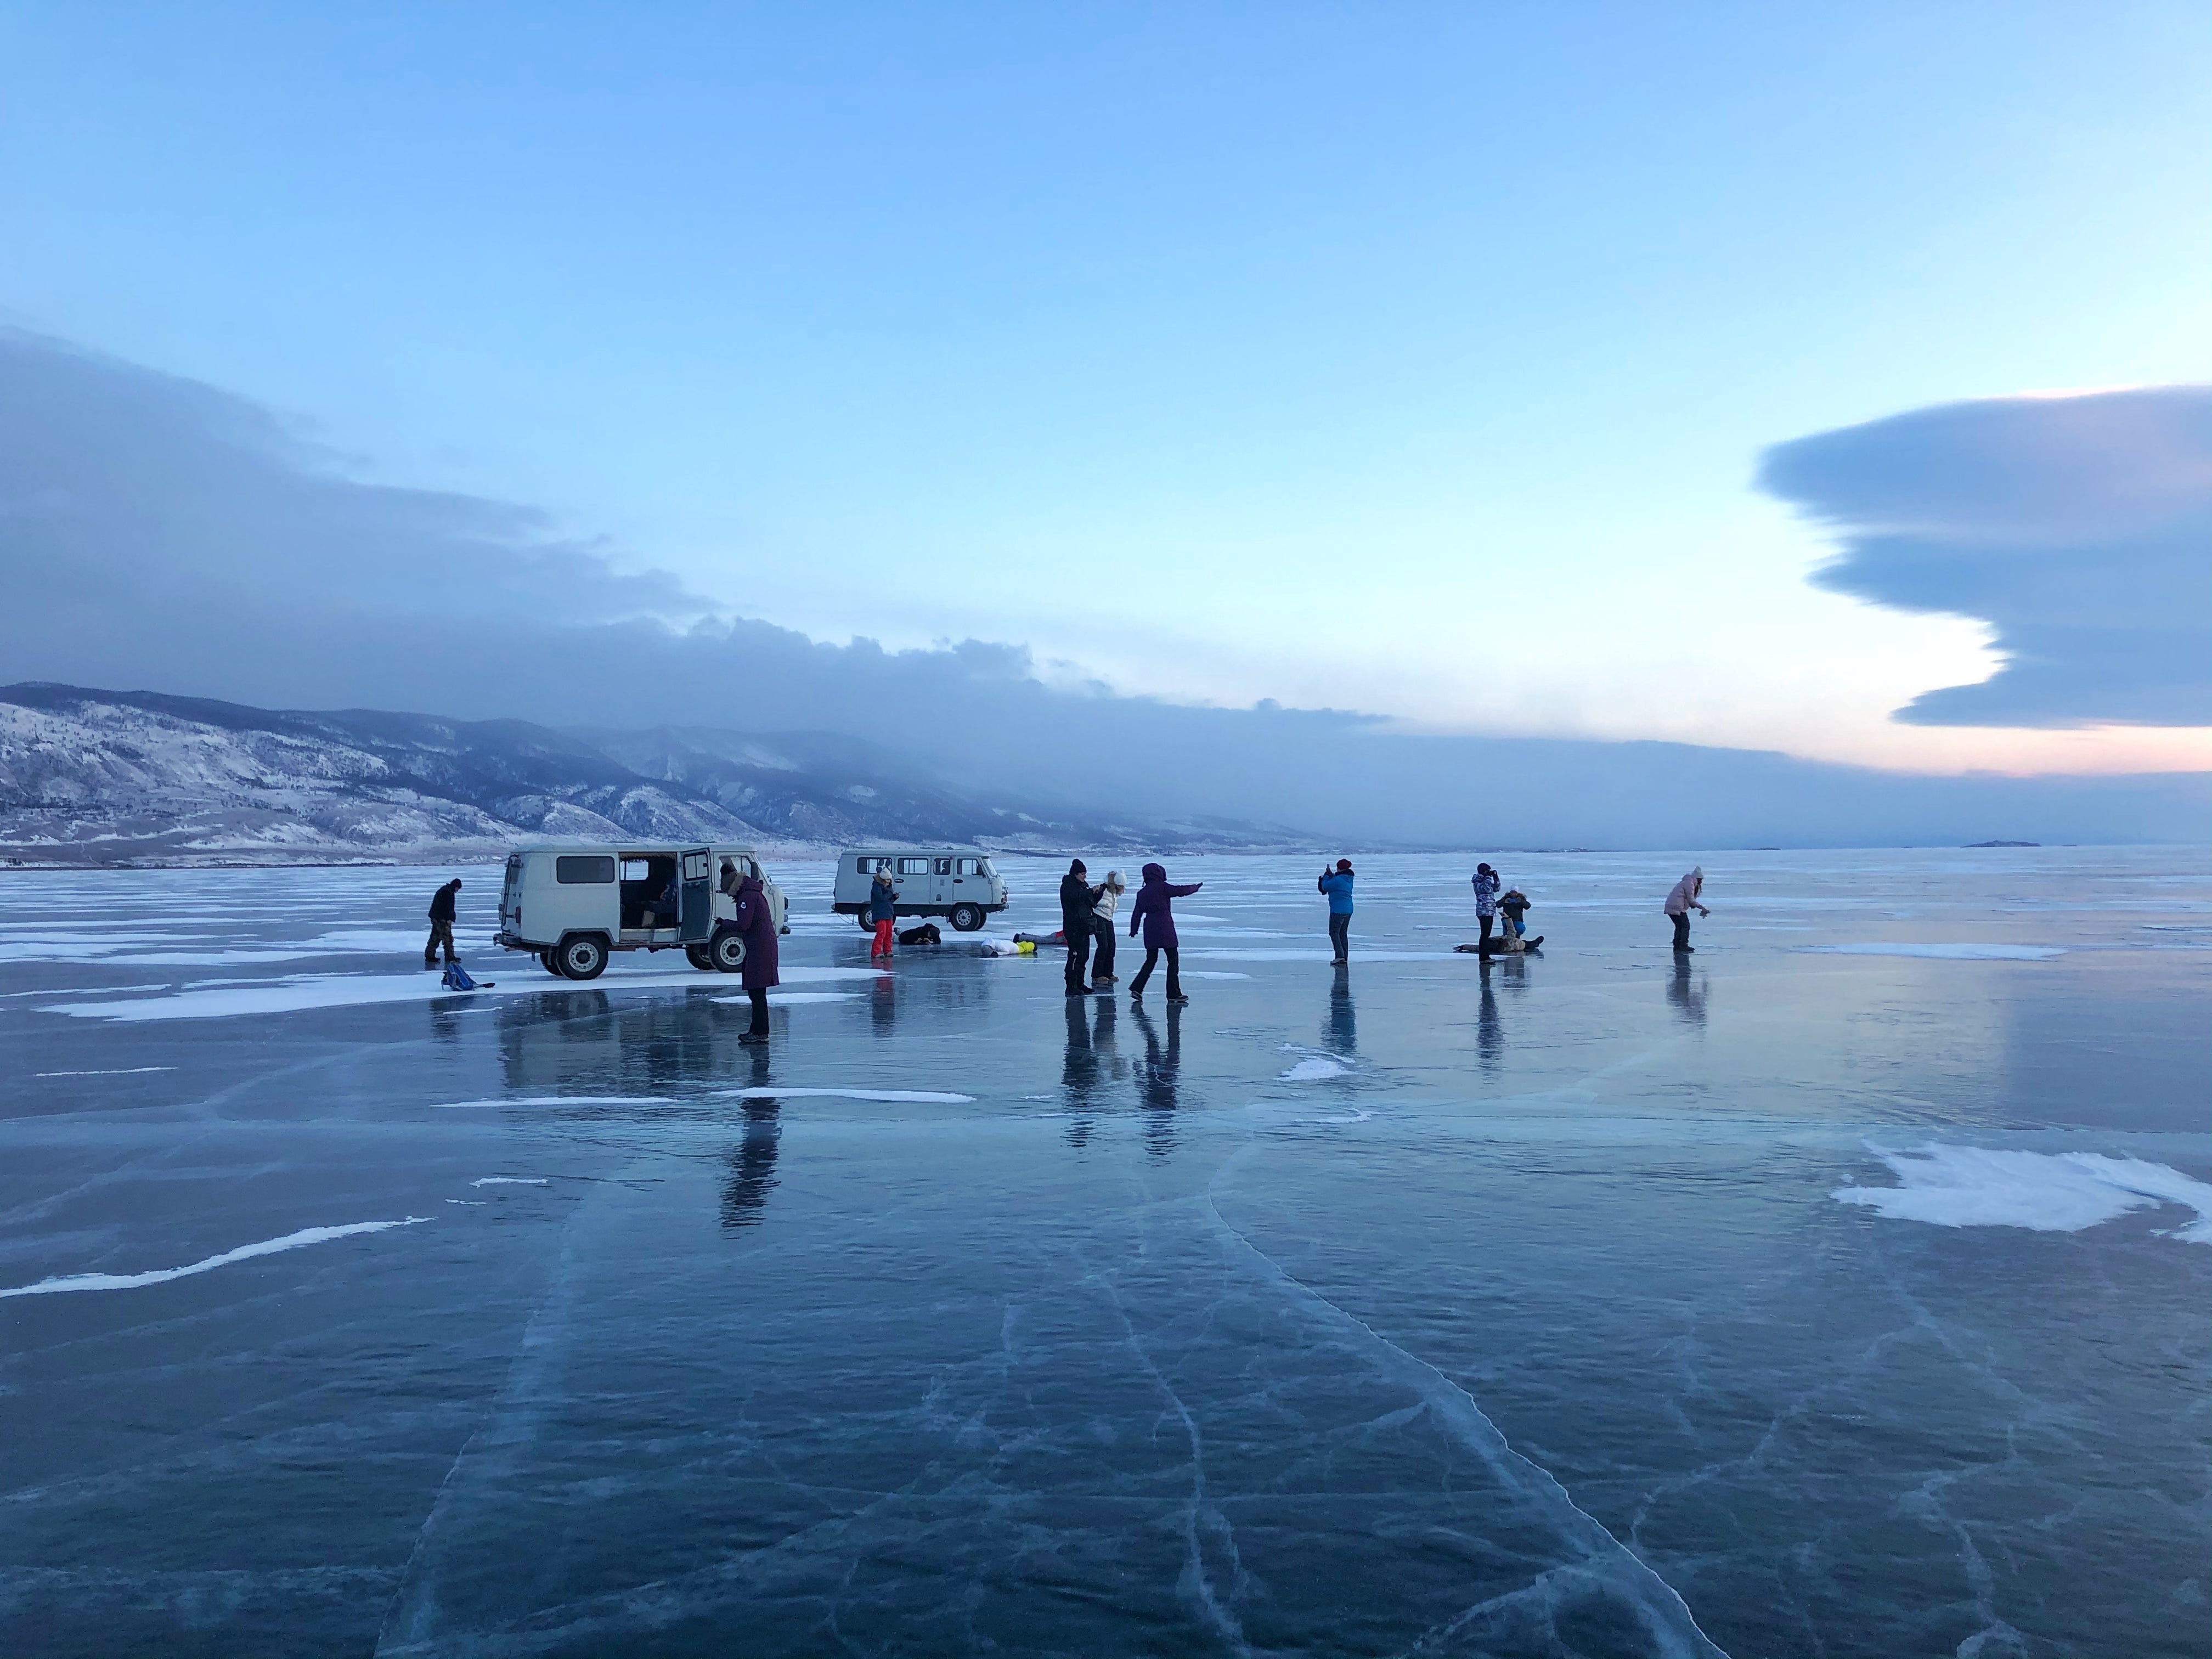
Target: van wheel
{"points": [[697, 957], [867, 927], [727, 952], [583, 956], [549, 960], [966, 918]]}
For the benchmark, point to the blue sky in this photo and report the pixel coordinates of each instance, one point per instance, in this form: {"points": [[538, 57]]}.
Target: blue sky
{"points": [[1415, 360]]}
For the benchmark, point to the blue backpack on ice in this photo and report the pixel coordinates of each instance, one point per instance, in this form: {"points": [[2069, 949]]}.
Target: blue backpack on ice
{"points": [[457, 978]]}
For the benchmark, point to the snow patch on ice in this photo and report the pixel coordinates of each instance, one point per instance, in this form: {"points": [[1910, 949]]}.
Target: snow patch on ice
{"points": [[1314, 1066], [779, 998], [558, 1100], [358, 990], [1200, 973], [244, 1252], [922, 1097], [1943, 952], [510, 1181], [2046, 1192]]}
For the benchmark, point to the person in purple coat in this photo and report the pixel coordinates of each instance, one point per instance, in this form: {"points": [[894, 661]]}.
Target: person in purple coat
{"points": [[1151, 912], [756, 923]]}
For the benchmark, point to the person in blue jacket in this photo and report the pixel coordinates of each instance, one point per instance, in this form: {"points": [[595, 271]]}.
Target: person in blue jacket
{"points": [[1336, 886]]}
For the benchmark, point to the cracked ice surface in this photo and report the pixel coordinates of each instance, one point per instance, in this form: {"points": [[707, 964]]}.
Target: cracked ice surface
{"points": [[1586, 1303]]}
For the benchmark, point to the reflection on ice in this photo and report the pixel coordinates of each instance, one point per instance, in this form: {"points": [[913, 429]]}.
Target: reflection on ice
{"points": [[1130, 1345]]}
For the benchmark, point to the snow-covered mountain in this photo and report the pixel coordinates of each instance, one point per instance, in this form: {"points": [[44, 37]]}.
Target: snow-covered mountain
{"points": [[109, 777]]}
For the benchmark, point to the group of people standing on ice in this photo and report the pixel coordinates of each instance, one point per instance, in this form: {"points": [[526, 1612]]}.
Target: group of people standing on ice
{"points": [[1088, 914], [1086, 923]]}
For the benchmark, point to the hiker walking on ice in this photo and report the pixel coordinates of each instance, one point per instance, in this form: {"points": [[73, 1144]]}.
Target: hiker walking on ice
{"points": [[1683, 900], [1079, 905], [1102, 929], [1151, 912], [441, 923], [883, 912], [1335, 886], [756, 925], [1486, 883]]}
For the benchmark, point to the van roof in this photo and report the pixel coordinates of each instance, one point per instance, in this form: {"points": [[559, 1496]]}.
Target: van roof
{"points": [[618, 848], [931, 851]]}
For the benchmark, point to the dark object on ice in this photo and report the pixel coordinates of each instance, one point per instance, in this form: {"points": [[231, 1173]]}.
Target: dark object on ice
{"points": [[441, 923], [1971, 844], [1038, 939], [925, 934], [456, 978]]}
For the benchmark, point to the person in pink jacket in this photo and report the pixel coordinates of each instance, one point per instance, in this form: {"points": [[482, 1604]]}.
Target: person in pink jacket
{"points": [[1683, 900]]}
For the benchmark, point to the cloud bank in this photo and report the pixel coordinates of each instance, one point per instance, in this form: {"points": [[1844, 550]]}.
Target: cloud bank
{"points": [[158, 534], [2080, 527]]}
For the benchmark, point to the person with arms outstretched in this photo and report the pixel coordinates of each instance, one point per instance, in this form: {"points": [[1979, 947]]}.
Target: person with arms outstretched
{"points": [[1151, 912]]}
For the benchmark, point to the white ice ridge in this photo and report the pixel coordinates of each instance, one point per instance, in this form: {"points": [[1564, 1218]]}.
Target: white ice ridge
{"points": [[921, 1097], [2047, 1191], [119, 1071], [1943, 952], [510, 1181], [244, 1252]]}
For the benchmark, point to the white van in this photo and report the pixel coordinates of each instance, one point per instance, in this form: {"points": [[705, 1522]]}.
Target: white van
{"points": [[571, 906], [961, 887]]}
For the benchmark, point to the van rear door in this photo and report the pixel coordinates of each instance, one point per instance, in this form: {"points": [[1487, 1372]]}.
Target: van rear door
{"points": [[695, 913]]}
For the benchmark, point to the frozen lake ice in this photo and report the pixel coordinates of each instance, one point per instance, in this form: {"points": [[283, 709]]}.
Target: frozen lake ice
{"points": [[1844, 1288]]}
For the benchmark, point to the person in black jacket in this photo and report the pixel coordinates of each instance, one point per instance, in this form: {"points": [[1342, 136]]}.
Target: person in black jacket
{"points": [[1078, 902], [441, 923]]}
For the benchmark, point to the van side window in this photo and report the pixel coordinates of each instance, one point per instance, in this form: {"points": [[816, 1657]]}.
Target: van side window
{"points": [[942, 866], [583, 869], [971, 866], [635, 870], [914, 866], [863, 866]]}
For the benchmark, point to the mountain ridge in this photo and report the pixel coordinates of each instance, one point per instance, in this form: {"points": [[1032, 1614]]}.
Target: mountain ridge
{"points": [[89, 776]]}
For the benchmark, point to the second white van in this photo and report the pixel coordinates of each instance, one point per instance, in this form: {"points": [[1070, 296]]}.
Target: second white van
{"points": [[960, 886]]}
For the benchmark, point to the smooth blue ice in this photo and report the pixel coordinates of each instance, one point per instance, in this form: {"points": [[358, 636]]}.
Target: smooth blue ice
{"points": [[1844, 1288]]}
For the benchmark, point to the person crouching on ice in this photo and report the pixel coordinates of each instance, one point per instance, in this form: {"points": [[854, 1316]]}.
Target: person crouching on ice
{"points": [[1513, 905], [1680, 902], [882, 911]]}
